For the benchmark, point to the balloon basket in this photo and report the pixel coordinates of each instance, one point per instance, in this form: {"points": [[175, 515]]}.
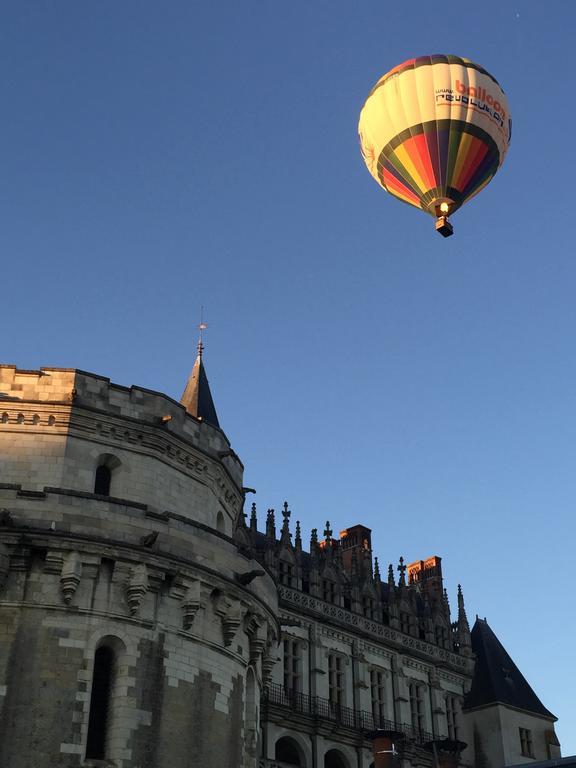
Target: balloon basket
{"points": [[444, 227]]}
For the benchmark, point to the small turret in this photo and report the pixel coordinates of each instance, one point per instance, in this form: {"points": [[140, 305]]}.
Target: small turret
{"points": [[197, 398]]}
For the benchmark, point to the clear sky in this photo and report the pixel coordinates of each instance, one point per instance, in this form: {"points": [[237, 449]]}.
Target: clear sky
{"points": [[159, 156]]}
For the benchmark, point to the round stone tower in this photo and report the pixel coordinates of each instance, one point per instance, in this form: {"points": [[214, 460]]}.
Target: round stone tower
{"points": [[134, 631]]}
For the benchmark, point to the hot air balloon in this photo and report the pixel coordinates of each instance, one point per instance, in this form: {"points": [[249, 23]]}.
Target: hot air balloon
{"points": [[434, 131]]}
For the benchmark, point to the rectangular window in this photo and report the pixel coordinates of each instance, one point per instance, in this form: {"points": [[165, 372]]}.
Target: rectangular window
{"points": [[405, 622], [416, 693], [378, 692], [452, 716], [369, 607], [526, 744], [335, 679], [328, 591], [441, 636], [292, 665], [285, 573]]}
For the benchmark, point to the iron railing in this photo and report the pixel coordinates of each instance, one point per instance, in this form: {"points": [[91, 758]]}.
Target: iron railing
{"points": [[324, 709]]}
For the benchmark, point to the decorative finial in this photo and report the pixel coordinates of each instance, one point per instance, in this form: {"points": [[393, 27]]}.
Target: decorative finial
{"points": [[376, 570], [391, 581], [270, 525], [402, 569], [253, 518], [327, 533], [201, 327], [286, 535], [298, 536], [313, 537]]}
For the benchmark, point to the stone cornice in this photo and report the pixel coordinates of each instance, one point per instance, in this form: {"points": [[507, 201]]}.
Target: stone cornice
{"points": [[110, 548], [81, 422], [333, 614]]}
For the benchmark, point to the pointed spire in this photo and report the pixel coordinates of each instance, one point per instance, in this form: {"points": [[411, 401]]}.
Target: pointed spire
{"points": [[327, 533], [253, 519], [298, 538], [285, 535], [197, 398], [446, 603], [313, 540], [462, 627], [376, 571], [402, 569], [391, 582]]}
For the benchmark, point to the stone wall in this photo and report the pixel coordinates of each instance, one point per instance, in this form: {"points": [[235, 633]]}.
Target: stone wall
{"points": [[148, 570]]}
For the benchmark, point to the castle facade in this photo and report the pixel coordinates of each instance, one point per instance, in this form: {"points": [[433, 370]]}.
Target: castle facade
{"points": [[146, 622]]}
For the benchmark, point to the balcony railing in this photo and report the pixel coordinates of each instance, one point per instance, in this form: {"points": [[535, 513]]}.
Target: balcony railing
{"points": [[324, 709]]}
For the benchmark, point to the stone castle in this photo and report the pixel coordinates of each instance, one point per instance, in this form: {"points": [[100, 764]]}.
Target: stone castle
{"points": [[146, 622]]}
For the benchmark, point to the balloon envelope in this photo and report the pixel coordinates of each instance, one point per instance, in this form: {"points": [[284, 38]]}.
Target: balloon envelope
{"points": [[434, 131]]}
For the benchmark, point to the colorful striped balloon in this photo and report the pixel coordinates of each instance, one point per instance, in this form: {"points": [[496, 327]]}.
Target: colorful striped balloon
{"points": [[434, 131]]}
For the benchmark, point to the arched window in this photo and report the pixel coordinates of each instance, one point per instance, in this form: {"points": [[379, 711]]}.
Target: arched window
{"points": [[220, 523], [335, 759], [103, 480], [105, 470], [288, 752], [100, 700]]}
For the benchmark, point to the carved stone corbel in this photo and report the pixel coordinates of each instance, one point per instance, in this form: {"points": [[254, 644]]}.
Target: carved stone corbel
{"points": [[136, 588], [230, 614], [257, 632], [190, 604], [70, 576]]}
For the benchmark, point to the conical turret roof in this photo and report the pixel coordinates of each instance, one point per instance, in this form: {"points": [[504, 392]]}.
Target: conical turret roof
{"points": [[496, 678], [197, 398]]}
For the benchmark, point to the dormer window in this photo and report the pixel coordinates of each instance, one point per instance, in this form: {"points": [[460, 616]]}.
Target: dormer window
{"points": [[328, 591], [285, 573]]}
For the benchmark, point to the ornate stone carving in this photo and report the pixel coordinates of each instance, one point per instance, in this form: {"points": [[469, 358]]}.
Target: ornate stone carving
{"points": [[70, 576], [230, 614], [190, 604], [257, 632], [137, 588]]}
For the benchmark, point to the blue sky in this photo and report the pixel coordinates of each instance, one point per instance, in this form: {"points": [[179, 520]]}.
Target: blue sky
{"points": [[160, 156]]}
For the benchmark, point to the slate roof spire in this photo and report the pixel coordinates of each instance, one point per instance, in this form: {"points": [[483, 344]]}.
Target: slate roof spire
{"points": [[197, 398]]}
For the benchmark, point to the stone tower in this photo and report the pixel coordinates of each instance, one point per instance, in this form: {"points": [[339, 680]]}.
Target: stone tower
{"points": [[134, 631]]}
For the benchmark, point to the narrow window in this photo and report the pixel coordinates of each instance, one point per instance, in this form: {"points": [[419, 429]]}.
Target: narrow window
{"points": [[405, 622], [286, 573], [416, 705], [441, 636], [526, 744], [335, 679], [368, 606], [378, 692], [100, 703], [102, 480], [452, 716], [220, 523], [328, 591], [292, 666]]}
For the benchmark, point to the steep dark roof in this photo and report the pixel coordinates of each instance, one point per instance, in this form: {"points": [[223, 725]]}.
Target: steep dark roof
{"points": [[497, 678], [197, 398]]}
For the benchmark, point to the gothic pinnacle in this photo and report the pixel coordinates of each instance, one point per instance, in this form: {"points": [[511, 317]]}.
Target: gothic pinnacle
{"points": [[402, 569]]}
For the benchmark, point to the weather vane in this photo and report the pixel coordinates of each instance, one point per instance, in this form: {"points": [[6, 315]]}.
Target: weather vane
{"points": [[201, 327]]}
